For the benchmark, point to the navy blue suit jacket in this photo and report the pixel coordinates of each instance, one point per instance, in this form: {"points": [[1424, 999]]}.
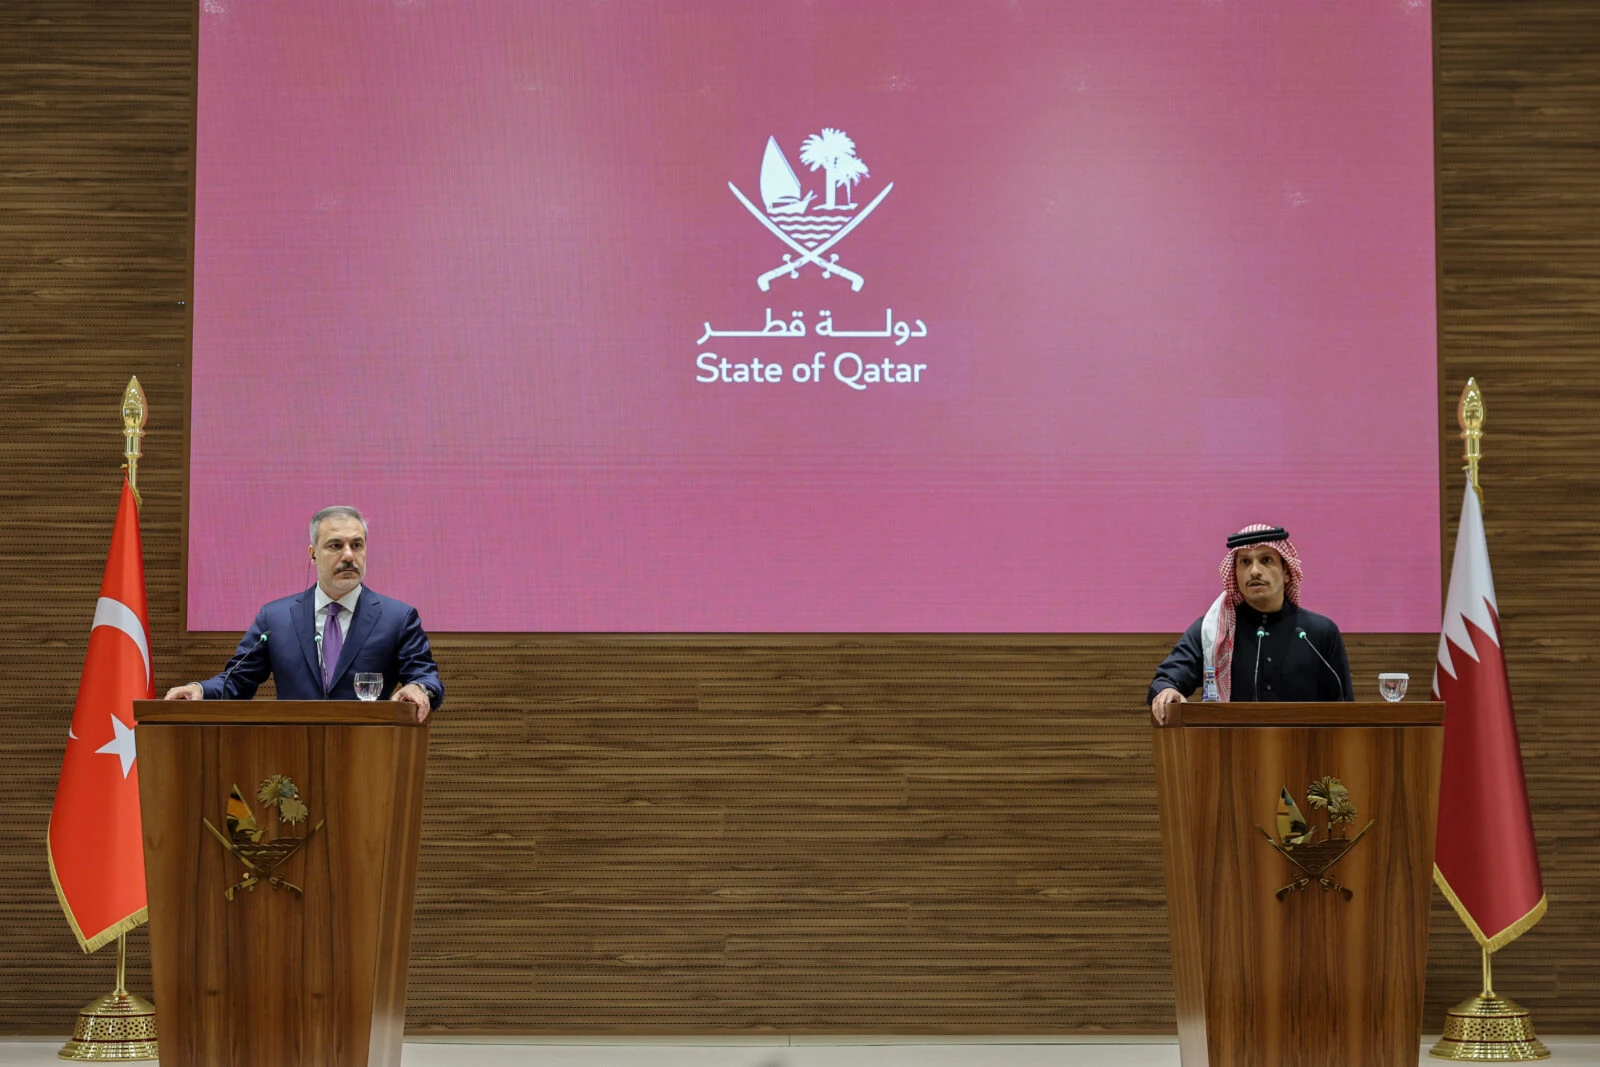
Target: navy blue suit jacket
{"points": [[385, 637]]}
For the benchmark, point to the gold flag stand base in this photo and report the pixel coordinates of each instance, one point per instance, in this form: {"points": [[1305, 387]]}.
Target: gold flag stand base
{"points": [[1489, 1029], [118, 1026]]}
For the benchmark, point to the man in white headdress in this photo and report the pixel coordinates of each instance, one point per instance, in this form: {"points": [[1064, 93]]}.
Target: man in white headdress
{"points": [[1256, 642]]}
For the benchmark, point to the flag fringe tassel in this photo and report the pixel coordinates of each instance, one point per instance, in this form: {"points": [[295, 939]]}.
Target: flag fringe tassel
{"points": [[104, 937], [1505, 936]]}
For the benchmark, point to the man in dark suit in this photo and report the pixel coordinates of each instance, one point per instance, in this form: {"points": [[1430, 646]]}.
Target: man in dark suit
{"points": [[315, 643]]}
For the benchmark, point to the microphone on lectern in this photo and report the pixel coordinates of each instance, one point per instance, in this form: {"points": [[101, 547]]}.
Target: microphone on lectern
{"points": [[240, 661], [1255, 685], [1301, 631]]}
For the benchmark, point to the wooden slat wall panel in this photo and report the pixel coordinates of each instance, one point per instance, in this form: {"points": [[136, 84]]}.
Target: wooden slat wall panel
{"points": [[95, 104], [827, 834], [1519, 181]]}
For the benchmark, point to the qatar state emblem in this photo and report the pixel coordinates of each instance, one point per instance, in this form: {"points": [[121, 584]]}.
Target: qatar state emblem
{"points": [[244, 839], [807, 229], [1313, 855]]}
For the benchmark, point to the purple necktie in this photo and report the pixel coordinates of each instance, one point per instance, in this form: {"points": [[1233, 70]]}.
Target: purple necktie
{"points": [[332, 644]]}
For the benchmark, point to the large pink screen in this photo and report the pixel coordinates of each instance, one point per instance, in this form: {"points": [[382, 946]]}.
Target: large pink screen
{"points": [[1051, 296]]}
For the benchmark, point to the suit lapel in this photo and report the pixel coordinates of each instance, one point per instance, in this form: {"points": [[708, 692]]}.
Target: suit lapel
{"points": [[305, 631], [368, 608]]}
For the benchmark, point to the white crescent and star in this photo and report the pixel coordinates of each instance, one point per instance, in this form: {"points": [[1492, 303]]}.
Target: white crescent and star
{"points": [[120, 746], [118, 616]]}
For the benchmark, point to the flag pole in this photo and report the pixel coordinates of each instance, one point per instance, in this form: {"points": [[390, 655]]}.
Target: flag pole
{"points": [[134, 415], [1469, 414], [120, 1026], [1487, 1028]]}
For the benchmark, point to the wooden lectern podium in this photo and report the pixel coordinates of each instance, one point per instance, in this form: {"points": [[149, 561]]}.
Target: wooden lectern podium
{"points": [[280, 845], [1298, 846]]}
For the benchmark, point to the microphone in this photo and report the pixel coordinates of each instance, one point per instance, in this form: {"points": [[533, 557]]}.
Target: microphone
{"points": [[240, 661], [1301, 631], [1255, 685]]}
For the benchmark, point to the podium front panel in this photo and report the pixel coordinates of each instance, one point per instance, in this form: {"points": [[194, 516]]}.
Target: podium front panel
{"points": [[1314, 954], [280, 935]]}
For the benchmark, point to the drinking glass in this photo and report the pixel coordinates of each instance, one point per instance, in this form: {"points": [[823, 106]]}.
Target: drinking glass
{"points": [[1393, 686], [369, 686]]}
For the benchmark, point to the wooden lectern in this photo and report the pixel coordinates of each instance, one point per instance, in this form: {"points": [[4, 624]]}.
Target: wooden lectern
{"points": [[1298, 846], [280, 849]]}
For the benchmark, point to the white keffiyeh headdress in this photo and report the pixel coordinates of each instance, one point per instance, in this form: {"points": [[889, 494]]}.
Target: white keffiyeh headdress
{"points": [[1217, 629]]}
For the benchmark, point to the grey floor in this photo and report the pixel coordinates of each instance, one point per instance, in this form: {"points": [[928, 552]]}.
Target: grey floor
{"points": [[780, 1051]]}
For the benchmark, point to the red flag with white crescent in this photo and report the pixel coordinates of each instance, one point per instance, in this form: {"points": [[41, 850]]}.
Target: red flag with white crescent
{"points": [[96, 848], [1486, 861]]}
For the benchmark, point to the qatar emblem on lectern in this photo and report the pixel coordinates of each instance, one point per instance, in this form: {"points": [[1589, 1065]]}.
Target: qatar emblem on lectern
{"points": [[244, 838], [811, 230], [1313, 855]]}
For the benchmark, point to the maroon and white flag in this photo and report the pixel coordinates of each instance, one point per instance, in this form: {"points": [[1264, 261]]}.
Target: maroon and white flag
{"points": [[1485, 860]]}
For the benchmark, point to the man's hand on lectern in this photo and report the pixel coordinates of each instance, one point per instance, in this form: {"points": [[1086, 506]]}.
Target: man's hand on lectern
{"points": [[192, 691], [417, 696], [1161, 706]]}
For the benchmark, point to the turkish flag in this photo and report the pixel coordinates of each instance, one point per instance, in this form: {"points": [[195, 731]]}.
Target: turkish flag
{"points": [[96, 846], [1486, 860]]}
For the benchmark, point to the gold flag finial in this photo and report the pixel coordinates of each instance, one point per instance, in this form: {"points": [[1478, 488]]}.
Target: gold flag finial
{"points": [[134, 415], [1470, 416]]}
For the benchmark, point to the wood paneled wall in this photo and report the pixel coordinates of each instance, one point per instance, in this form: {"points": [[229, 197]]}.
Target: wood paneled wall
{"points": [[826, 834]]}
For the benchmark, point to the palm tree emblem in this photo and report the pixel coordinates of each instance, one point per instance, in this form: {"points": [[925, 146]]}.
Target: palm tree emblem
{"points": [[834, 153], [1300, 843], [810, 237]]}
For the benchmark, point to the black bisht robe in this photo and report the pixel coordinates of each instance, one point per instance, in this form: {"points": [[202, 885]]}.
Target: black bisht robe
{"points": [[1289, 670]]}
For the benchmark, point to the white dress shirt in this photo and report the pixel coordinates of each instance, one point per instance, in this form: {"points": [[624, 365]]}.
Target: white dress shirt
{"points": [[348, 602]]}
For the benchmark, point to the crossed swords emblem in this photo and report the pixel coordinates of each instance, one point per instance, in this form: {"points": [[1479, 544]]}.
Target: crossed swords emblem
{"points": [[791, 264], [1316, 866], [244, 837], [1298, 842]]}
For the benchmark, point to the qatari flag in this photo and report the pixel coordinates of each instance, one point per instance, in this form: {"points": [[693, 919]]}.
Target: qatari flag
{"points": [[1486, 860]]}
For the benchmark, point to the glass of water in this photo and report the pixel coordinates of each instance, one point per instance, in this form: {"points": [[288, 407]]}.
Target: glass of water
{"points": [[1393, 686], [369, 686]]}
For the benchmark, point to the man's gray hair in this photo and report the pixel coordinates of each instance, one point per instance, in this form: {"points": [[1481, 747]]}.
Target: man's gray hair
{"points": [[338, 511]]}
